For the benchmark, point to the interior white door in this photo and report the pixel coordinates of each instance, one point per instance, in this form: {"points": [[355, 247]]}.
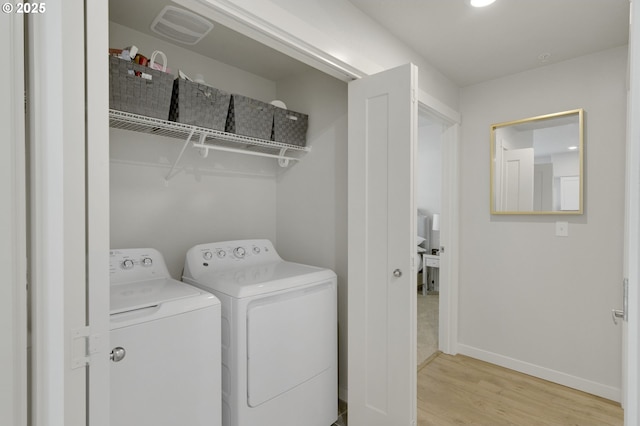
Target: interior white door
{"points": [[517, 181], [382, 296]]}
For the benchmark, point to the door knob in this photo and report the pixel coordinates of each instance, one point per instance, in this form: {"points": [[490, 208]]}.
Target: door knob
{"points": [[397, 273], [118, 354]]}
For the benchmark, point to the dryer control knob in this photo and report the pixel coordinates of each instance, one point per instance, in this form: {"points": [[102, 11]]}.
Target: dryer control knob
{"points": [[147, 261], [207, 255], [256, 250], [221, 254], [239, 252], [127, 264]]}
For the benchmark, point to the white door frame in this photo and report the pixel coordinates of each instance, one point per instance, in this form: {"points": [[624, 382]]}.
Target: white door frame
{"points": [[13, 232], [57, 207], [448, 317], [97, 80], [631, 329]]}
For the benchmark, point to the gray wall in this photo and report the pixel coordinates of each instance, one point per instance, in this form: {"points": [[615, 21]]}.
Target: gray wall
{"points": [[312, 195], [529, 299], [222, 197]]}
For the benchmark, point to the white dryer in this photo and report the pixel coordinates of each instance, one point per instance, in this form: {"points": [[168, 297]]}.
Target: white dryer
{"points": [[165, 340], [279, 333]]}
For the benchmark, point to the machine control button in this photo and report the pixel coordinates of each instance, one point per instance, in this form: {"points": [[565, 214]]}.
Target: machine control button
{"points": [[127, 264], [221, 254], [207, 255], [239, 252], [147, 261], [256, 250]]}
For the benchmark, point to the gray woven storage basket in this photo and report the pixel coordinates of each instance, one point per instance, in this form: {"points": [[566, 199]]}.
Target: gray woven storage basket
{"points": [[250, 117], [199, 105], [290, 127], [137, 95]]}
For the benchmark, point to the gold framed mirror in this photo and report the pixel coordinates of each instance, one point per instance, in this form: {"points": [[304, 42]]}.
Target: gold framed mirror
{"points": [[537, 165]]}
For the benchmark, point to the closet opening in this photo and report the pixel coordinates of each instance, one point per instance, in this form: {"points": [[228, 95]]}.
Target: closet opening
{"points": [[225, 195]]}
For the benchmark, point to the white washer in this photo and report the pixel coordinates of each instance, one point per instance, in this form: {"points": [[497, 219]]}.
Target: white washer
{"points": [[165, 340], [279, 333]]}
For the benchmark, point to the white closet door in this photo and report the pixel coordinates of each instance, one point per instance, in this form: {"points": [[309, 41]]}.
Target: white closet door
{"points": [[13, 306], [382, 296]]}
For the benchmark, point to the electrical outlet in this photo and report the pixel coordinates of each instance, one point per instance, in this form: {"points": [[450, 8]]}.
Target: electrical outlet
{"points": [[562, 229]]}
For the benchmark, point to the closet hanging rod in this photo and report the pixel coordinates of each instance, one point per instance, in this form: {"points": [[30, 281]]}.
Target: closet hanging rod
{"points": [[243, 151]]}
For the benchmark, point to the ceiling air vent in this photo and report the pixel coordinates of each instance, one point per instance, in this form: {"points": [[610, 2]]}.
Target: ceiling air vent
{"points": [[181, 25]]}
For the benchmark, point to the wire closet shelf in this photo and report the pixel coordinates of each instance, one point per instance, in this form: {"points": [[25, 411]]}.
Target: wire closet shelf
{"points": [[203, 138]]}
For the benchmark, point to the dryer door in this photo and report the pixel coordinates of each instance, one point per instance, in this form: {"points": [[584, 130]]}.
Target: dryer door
{"points": [[291, 338]]}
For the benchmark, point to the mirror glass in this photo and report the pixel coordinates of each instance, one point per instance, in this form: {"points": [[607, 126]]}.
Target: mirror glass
{"points": [[536, 165]]}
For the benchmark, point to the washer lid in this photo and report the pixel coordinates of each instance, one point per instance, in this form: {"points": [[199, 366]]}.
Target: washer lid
{"points": [[260, 279], [144, 294]]}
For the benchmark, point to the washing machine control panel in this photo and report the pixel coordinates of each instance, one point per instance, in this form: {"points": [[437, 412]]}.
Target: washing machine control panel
{"points": [[128, 265], [232, 253]]}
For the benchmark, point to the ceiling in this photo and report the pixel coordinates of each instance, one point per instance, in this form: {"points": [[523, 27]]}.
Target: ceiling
{"points": [[221, 44], [471, 45], [467, 45]]}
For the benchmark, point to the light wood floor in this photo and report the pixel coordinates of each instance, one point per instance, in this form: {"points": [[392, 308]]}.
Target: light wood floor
{"points": [[458, 390]]}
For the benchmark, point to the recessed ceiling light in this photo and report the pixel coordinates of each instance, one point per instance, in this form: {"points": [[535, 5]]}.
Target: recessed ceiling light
{"points": [[572, 148], [480, 3]]}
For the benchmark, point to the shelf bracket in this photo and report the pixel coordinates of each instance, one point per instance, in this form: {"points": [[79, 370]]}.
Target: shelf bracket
{"points": [[204, 153], [282, 160], [184, 147]]}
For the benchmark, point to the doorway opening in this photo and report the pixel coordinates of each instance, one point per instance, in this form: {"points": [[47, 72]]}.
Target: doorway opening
{"points": [[428, 201]]}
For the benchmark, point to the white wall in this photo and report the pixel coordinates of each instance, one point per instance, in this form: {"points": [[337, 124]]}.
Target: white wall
{"points": [[222, 197], [528, 299], [566, 164], [312, 194]]}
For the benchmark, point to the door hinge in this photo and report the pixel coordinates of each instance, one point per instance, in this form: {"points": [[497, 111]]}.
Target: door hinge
{"points": [[624, 313], [83, 346]]}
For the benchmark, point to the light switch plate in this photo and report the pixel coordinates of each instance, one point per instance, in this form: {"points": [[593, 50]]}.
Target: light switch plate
{"points": [[562, 229]]}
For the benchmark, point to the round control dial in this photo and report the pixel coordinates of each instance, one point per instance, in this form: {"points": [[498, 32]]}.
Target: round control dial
{"points": [[207, 255], [127, 264], [221, 254], [256, 250], [147, 261], [239, 252]]}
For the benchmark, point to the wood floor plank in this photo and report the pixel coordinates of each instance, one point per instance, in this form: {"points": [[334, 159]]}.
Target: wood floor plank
{"points": [[458, 390]]}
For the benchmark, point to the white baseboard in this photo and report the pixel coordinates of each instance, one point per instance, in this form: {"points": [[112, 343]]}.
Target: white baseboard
{"points": [[594, 388]]}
